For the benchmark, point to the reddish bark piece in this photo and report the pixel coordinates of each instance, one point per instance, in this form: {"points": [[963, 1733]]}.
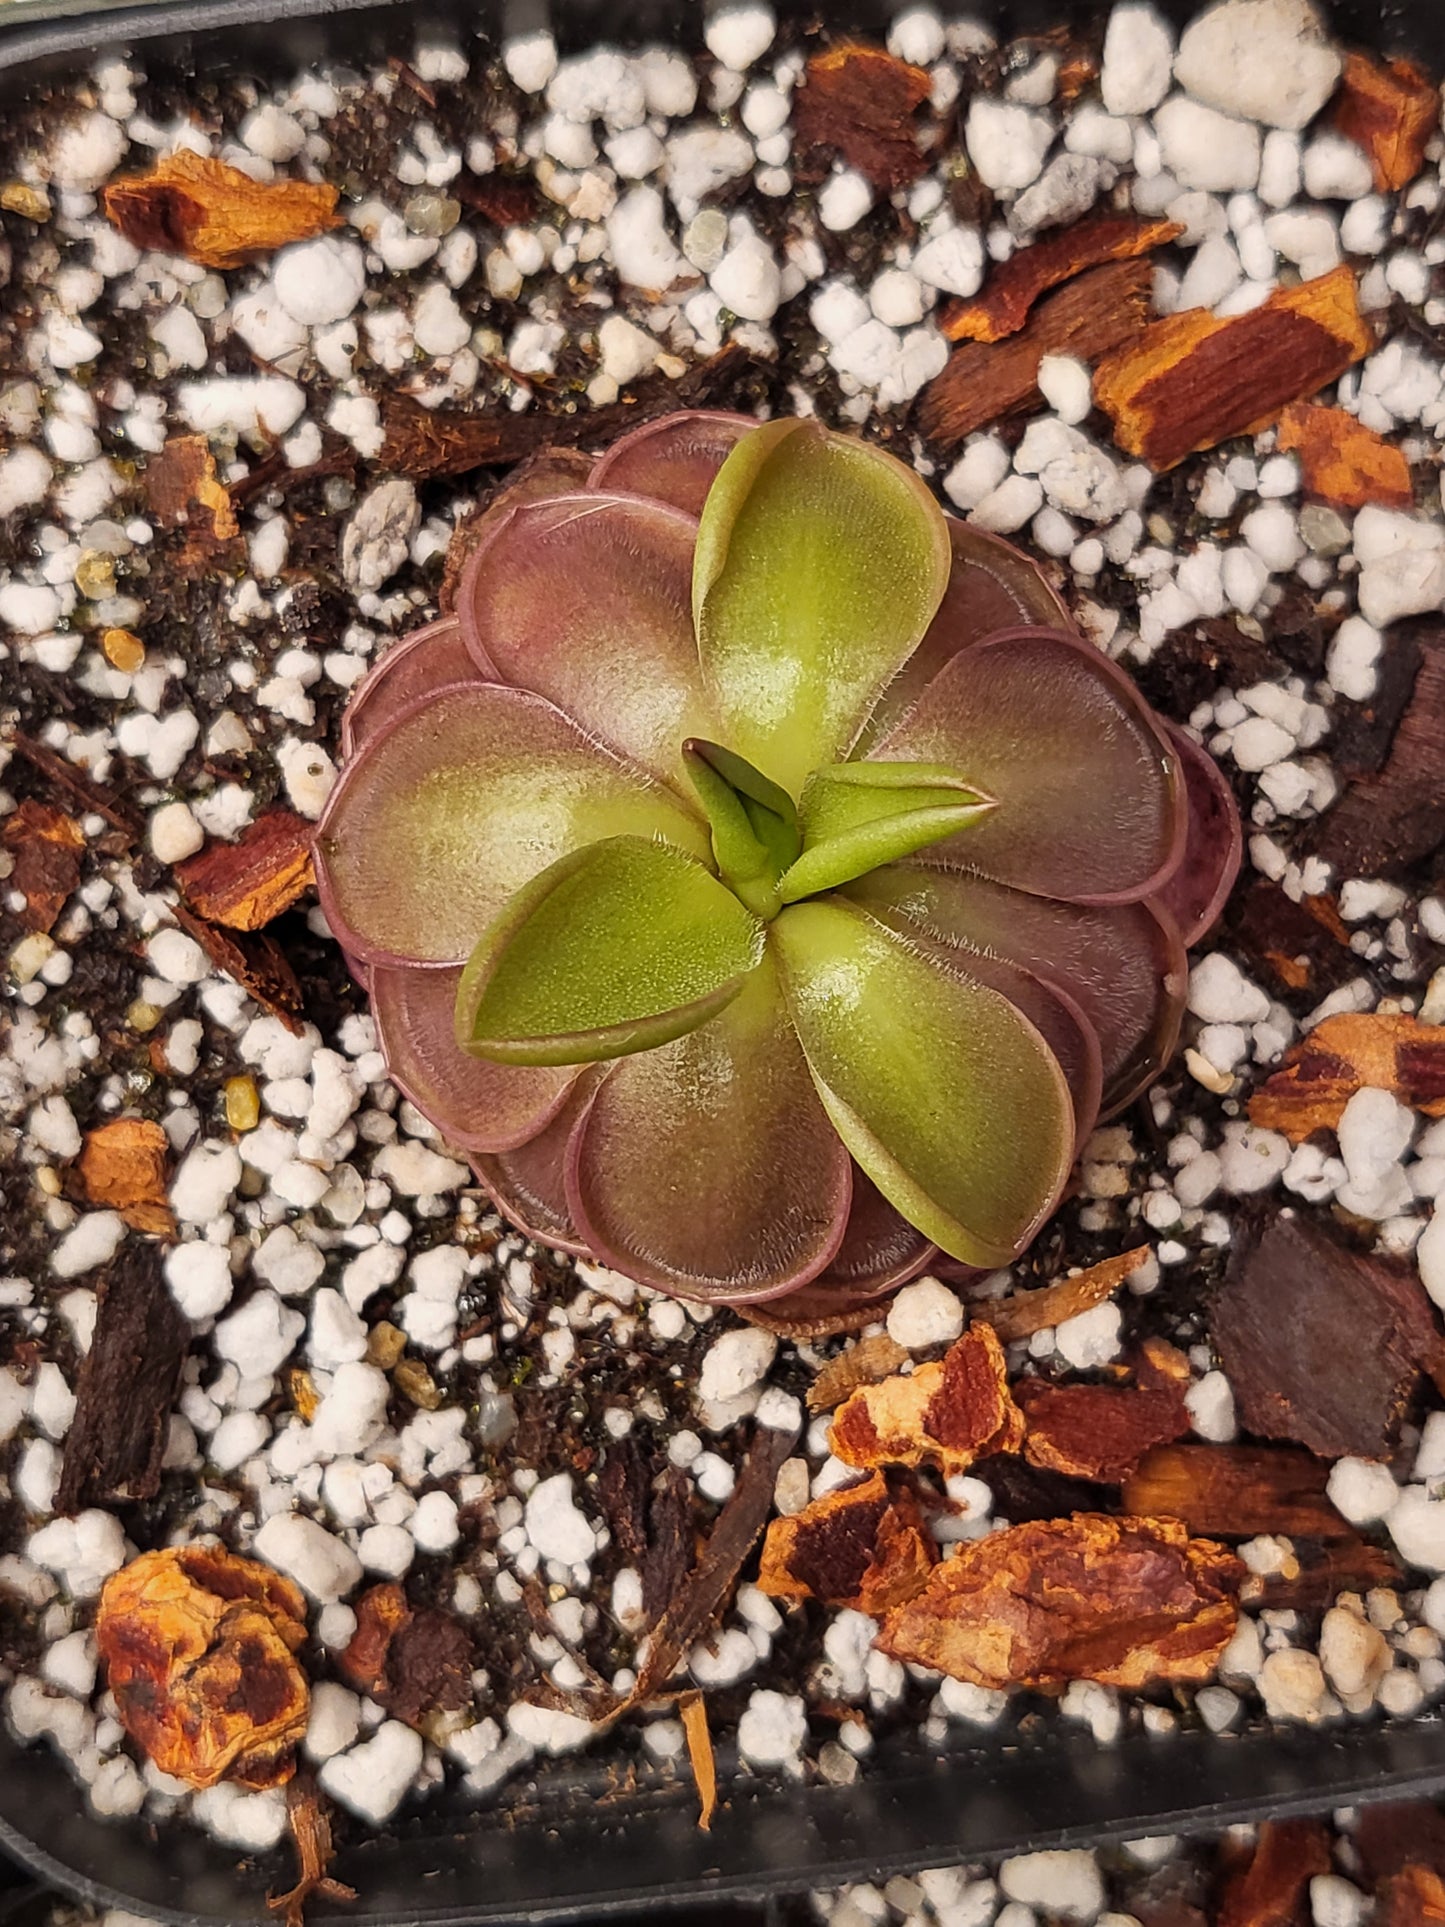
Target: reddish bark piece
{"points": [[1342, 1055], [1098, 1432], [1093, 315], [1341, 461], [1295, 1304], [1394, 1834], [946, 1414], [860, 102], [867, 1363], [1414, 1897], [86, 791], [123, 1168], [864, 1546], [182, 490], [247, 883], [1015, 285], [417, 1663], [1236, 1491], [1320, 1571], [506, 200], [1192, 380], [45, 846], [198, 1650], [254, 959], [191, 205], [1123, 1601], [1027, 1312], [1270, 1890], [1391, 109], [1384, 823]]}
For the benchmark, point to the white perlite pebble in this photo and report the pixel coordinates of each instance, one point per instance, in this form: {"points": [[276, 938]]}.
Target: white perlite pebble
{"points": [[548, 1729], [1090, 1338], [735, 1363], [334, 1721], [739, 36], [1066, 1881], [82, 1552], [952, 262], [1205, 149], [174, 833], [845, 198], [85, 152], [555, 1526], [1220, 993], [321, 281], [322, 1566], [199, 1277], [1417, 1525], [260, 1337], [917, 36], [372, 1779], [377, 537], [1374, 1132], [92, 1240], [748, 280], [1430, 1256], [1361, 1491], [627, 351], [1138, 59], [530, 60], [1337, 1902], [773, 1729], [1266, 59], [642, 249], [1292, 1685], [925, 1313], [1006, 143], [1067, 386]]}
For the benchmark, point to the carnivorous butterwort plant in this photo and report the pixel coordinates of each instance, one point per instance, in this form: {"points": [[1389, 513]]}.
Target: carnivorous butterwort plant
{"points": [[757, 877]]}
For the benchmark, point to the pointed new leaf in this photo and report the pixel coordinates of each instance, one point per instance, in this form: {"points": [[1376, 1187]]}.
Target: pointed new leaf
{"points": [[709, 1167], [616, 948], [753, 840], [820, 562], [945, 1094], [858, 816]]}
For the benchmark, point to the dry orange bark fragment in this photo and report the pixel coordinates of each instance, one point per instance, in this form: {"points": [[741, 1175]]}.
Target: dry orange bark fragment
{"points": [[46, 846], [1414, 1897], [862, 1546], [191, 205], [1237, 1491], [123, 1168], [1027, 1312], [182, 490], [699, 1756], [311, 1837], [247, 883], [1098, 1432], [1391, 110], [1016, 284], [946, 1414], [1123, 1601], [1192, 380], [1345, 1054], [1341, 461], [198, 1649], [1269, 1891], [860, 102], [865, 1363]]}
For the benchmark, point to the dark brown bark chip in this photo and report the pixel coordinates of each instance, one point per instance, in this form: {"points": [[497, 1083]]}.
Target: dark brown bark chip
{"points": [[1395, 1834], [1363, 732], [1384, 823], [831, 1558], [861, 103], [1296, 1305], [1287, 943], [1022, 1492], [1270, 1891], [413, 1661], [127, 1386], [648, 1505]]}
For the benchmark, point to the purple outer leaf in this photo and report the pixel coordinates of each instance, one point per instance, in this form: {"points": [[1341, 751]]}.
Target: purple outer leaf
{"points": [[1200, 887], [1122, 964], [674, 459], [1090, 796], [880, 1250], [586, 599], [459, 801], [419, 665], [528, 1184], [991, 586], [708, 1167], [478, 1105]]}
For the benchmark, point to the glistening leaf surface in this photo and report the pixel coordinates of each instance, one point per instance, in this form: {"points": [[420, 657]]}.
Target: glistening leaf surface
{"points": [[947, 1096], [819, 565], [617, 948], [449, 811]]}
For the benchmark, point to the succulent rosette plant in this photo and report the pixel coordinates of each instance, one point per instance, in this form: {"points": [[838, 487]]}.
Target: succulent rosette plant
{"points": [[756, 876]]}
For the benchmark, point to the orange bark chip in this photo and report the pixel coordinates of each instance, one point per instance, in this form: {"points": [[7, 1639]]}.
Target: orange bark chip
{"points": [[247, 883], [1414, 1897], [198, 1649], [1126, 1602], [860, 102], [865, 1363], [946, 1414], [1269, 1890], [45, 847], [1341, 461], [1391, 110], [1346, 1054], [1097, 1432], [182, 490], [1027, 1312], [1192, 380], [863, 1546], [123, 1168], [1016, 284], [190, 205], [1237, 1491]]}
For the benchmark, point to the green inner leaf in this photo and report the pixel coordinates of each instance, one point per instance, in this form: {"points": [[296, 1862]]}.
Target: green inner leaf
{"points": [[755, 833], [943, 1092], [616, 948], [819, 564], [858, 816]]}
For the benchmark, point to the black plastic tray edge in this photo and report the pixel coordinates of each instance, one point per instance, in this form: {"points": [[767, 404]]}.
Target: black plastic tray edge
{"points": [[634, 1857]]}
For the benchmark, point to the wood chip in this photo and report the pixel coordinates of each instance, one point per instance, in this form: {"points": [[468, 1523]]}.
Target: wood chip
{"points": [[1027, 1312], [1124, 1601], [1384, 823], [248, 883], [1343, 1055], [693, 1710], [64, 775], [46, 846], [1192, 380], [1236, 1491], [416, 1662], [860, 102], [1270, 1890], [648, 1504], [1089, 317], [866, 1363], [863, 1546], [1341, 461], [123, 1167], [183, 491], [128, 1383], [1391, 109], [254, 959], [1015, 285], [1414, 1897], [947, 1414], [1319, 1571], [310, 1825], [208, 212], [1294, 1304], [1097, 1432], [1391, 1835]]}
